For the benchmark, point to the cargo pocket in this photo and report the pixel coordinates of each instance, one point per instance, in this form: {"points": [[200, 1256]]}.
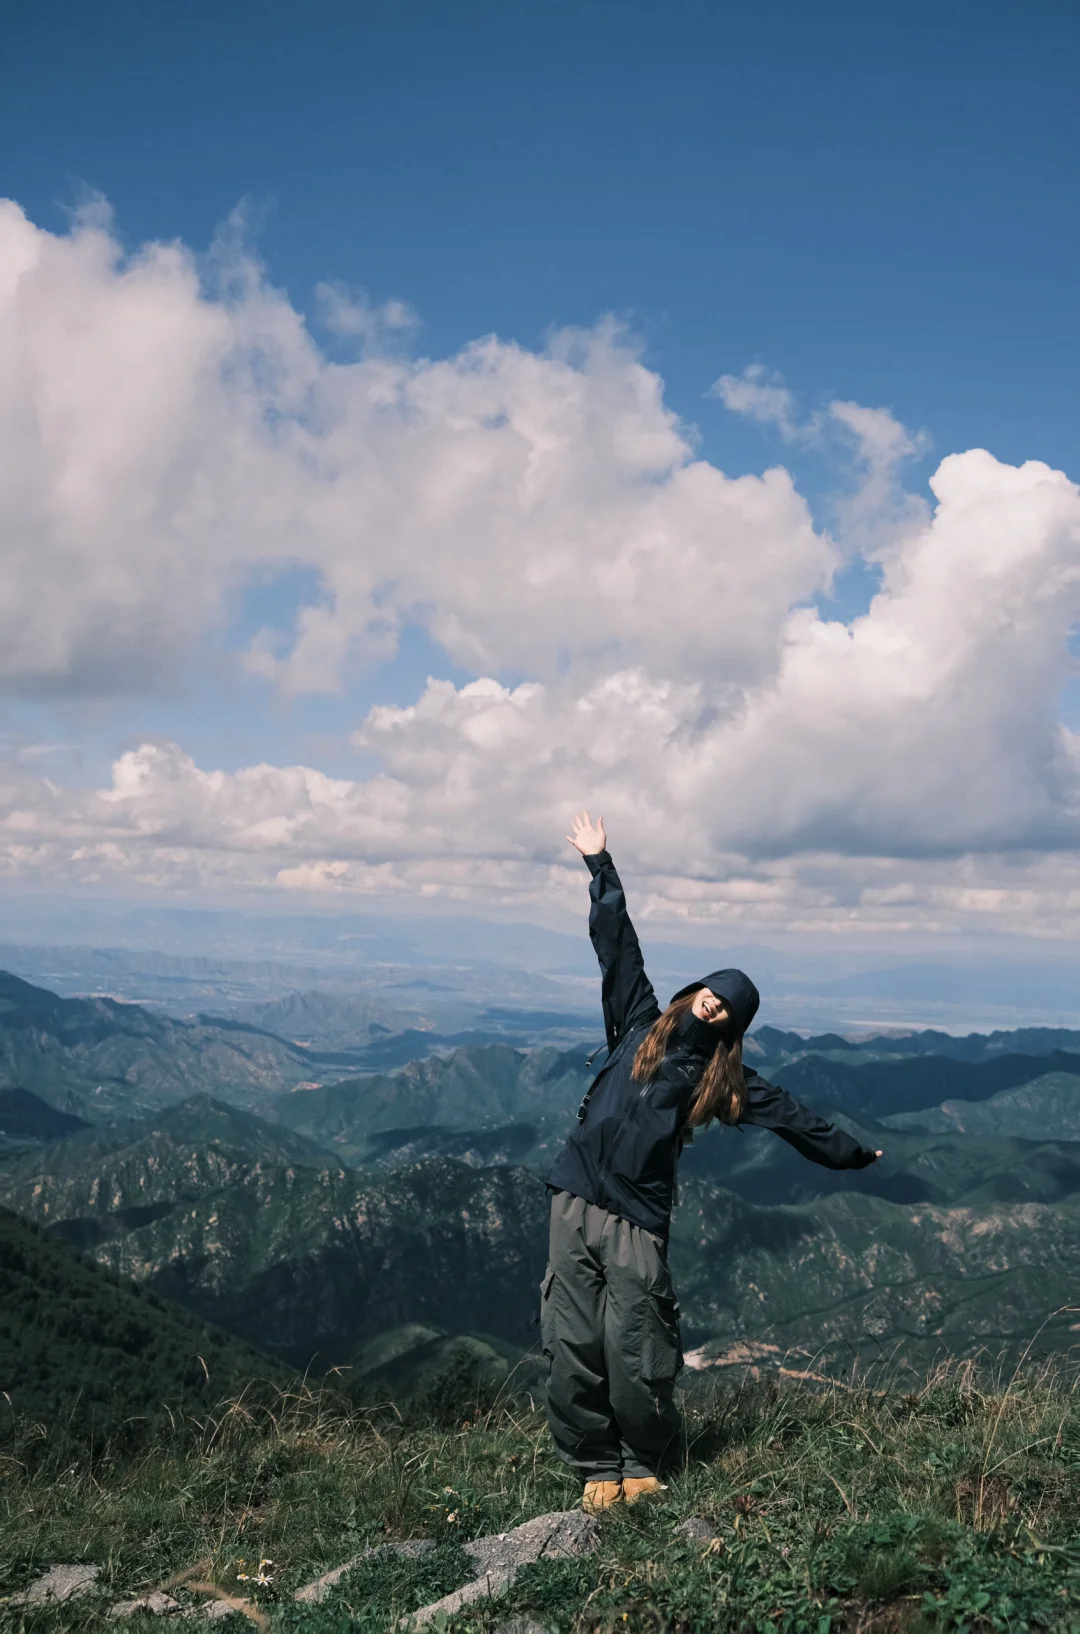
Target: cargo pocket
{"points": [[662, 1356], [547, 1316]]}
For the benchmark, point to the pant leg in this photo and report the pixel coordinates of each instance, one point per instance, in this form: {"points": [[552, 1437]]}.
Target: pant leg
{"points": [[573, 1304], [642, 1348]]}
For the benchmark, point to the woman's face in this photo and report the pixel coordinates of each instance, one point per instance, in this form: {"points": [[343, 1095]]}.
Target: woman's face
{"points": [[707, 1007]]}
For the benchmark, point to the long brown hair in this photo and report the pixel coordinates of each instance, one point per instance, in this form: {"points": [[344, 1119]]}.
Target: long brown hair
{"points": [[721, 1091]]}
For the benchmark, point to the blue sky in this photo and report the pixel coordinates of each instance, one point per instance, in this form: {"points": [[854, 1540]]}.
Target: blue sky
{"points": [[878, 203]]}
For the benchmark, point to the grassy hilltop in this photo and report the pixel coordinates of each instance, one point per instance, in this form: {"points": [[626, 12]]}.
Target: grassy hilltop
{"points": [[955, 1506]]}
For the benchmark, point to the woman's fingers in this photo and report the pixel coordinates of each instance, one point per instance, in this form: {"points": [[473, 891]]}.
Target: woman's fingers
{"points": [[589, 837]]}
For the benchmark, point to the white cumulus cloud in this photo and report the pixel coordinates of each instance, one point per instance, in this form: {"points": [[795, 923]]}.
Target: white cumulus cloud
{"points": [[173, 432], [166, 436]]}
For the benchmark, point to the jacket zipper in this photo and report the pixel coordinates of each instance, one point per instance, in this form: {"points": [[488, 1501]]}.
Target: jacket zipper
{"points": [[620, 1132]]}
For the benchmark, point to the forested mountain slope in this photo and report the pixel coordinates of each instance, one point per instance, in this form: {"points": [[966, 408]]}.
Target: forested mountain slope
{"points": [[468, 1089], [771, 1047], [881, 1088], [83, 1352], [855, 1275], [138, 1166], [253, 1226], [1043, 1108]]}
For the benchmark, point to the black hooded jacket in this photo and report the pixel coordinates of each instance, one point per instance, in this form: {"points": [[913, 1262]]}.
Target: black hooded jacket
{"points": [[624, 1151]]}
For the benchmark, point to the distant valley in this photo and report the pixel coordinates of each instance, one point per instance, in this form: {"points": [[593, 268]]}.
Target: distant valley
{"points": [[98, 1057]]}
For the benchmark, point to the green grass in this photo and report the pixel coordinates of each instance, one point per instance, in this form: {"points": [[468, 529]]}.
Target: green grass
{"points": [[956, 1507]]}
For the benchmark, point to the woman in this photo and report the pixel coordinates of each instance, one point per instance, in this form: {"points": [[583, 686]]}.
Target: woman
{"points": [[609, 1318]]}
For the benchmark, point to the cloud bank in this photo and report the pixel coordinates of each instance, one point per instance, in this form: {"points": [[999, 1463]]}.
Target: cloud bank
{"points": [[172, 432]]}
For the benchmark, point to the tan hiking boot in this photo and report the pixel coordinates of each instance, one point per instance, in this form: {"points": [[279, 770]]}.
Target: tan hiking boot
{"points": [[601, 1495], [640, 1486]]}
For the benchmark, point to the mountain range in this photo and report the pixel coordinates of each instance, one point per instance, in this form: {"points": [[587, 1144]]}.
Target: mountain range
{"points": [[253, 1226], [1042, 1108], [480, 1090], [98, 1057], [357, 1222]]}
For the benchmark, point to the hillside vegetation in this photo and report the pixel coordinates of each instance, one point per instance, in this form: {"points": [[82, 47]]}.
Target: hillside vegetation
{"points": [[250, 1225], [800, 1510], [87, 1359]]}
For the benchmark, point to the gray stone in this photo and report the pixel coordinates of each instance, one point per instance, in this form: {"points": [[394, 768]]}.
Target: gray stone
{"points": [[488, 1587], [522, 1625], [411, 1548], [159, 1604], [499, 1556], [58, 1583], [561, 1533], [697, 1530], [213, 1611]]}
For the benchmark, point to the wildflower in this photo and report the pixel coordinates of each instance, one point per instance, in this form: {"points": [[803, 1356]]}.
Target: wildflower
{"points": [[261, 1577], [452, 1517]]}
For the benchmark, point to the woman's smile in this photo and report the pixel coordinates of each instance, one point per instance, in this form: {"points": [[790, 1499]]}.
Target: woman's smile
{"points": [[707, 1007]]}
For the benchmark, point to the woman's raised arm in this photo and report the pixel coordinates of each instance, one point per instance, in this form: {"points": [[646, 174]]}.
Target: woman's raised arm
{"points": [[627, 992]]}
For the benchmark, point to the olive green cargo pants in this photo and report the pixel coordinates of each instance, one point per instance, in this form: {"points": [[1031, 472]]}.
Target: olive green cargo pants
{"points": [[609, 1323]]}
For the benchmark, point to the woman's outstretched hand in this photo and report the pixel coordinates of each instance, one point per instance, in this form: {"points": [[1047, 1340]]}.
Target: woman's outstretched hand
{"points": [[589, 837]]}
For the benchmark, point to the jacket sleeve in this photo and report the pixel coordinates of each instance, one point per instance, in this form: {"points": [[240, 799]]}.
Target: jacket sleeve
{"points": [[627, 992], [771, 1108]]}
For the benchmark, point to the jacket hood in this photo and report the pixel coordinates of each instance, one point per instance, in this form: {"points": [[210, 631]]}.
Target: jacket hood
{"points": [[737, 991]]}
